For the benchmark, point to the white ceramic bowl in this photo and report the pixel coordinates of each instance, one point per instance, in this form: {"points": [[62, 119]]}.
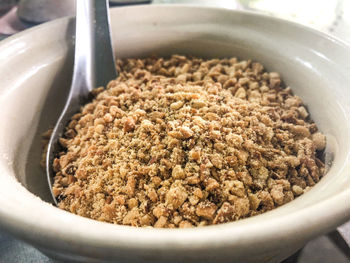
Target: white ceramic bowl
{"points": [[35, 75]]}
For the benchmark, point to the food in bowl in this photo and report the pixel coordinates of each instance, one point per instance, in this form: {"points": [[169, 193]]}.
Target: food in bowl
{"points": [[185, 142]]}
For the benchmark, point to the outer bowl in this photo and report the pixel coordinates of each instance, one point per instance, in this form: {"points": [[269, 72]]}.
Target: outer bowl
{"points": [[35, 75]]}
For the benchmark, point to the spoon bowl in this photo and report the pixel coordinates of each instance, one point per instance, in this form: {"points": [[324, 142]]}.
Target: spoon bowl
{"points": [[92, 47]]}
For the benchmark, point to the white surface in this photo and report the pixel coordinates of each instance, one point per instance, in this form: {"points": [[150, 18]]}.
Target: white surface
{"points": [[229, 4], [332, 17], [344, 231], [314, 65], [341, 27]]}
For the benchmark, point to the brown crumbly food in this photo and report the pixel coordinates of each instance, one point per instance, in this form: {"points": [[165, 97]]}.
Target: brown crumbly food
{"points": [[185, 142]]}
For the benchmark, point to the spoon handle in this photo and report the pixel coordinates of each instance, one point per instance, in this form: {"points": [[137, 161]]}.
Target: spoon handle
{"points": [[94, 63]]}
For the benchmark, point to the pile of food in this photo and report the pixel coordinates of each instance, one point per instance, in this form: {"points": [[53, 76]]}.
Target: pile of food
{"points": [[184, 142]]}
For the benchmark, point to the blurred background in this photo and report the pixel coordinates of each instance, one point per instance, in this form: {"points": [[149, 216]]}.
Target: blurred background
{"points": [[329, 16]]}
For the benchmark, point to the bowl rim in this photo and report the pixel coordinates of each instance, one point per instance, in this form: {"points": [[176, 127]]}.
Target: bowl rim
{"points": [[129, 238]]}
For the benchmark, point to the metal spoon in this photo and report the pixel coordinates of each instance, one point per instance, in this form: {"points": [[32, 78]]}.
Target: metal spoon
{"points": [[94, 66]]}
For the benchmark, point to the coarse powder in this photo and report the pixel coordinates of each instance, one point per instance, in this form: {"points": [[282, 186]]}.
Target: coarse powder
{"points": [[185, 142]]}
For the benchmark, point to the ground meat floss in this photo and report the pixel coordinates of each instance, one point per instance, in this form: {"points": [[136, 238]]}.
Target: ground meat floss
{"points": [[185, 142]]}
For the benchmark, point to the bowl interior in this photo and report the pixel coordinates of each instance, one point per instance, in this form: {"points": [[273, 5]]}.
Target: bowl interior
{"points": [[37, 75]]}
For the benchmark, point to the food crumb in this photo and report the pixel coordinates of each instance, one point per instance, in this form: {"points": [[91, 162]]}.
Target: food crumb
{"points": [[184, 142]]}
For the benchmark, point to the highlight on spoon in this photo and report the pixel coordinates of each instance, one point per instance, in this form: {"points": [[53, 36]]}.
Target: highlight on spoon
{"points": [[93, 47]]}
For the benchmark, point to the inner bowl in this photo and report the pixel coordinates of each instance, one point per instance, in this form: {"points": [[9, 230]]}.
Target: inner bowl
{"points": [[36, 77]]}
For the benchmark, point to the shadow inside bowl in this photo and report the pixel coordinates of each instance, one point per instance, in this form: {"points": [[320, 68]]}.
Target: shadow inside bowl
{"points": [[35, 179]]}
